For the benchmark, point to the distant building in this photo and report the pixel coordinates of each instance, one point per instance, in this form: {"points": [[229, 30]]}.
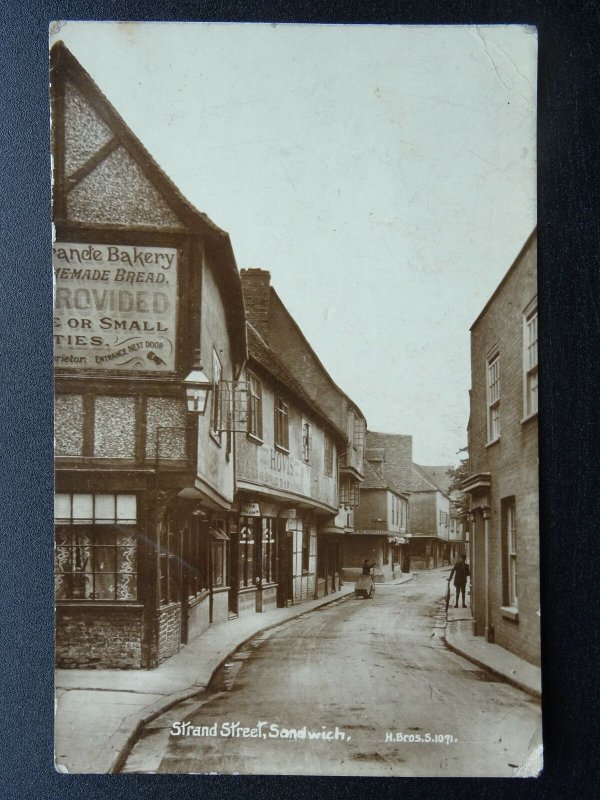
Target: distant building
{"points": [[503, 462], [435, 534], [381, 522]]}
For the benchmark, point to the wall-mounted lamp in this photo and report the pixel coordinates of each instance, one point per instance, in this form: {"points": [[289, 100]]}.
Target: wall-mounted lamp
{"points": [[197, 387]]}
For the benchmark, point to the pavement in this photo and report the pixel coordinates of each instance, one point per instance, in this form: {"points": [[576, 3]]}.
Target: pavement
{"points": [[459, 638], [99, 713]]}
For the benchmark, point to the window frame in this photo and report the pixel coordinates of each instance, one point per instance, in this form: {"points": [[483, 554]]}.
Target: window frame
{"points": [[216, 422], [328, 456], [493, 395], [282, 424], [255, 408], [306, 441], [94, 525], [510, 568], [530, 370]]}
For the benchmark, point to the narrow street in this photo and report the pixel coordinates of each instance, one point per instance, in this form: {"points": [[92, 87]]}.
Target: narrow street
{"points": [[373, 669]]}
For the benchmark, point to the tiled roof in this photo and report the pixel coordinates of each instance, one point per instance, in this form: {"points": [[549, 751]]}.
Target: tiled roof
{"points": [[396, 451], [261, 353], [438, 476], [373, 479]]}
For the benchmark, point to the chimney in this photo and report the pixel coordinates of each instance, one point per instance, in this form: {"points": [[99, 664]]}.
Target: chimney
{"points": [[256, 284]]}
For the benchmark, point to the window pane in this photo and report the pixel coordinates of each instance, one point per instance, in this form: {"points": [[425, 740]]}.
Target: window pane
{"points": [[126, 587], [62, 559], [61, 587], [83, 508], [104, 559], [125, 559], [126, 508], [104, 587], [62, 507], [82, 586], [105, 508]]}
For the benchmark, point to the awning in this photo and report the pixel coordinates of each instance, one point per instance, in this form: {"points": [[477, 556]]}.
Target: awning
{"points": [[219, 534]]}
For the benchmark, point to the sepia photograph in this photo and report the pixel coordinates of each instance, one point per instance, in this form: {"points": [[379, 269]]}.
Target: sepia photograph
{"points": [[295, 340]]}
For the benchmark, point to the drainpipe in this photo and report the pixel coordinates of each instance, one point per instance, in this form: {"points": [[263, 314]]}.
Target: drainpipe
{"points": [[486, 544]]}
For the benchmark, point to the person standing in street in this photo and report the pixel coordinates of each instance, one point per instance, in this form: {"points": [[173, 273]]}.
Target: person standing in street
{"points": [[461, 572], [367, 566]]}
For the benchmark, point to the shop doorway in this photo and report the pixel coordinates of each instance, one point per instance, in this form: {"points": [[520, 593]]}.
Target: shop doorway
{"points": [[284, 567]]}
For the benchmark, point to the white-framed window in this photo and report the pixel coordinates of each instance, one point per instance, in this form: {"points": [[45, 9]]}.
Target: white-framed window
{"points": [[216, 421], [255, 415], [306, 441], [96, 547], [509, 519], [493, 397], [282, 424], [530, 361]]}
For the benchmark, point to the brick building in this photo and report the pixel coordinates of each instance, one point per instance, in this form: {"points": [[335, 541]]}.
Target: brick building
{"points": [[144, 488], [503, 462]]}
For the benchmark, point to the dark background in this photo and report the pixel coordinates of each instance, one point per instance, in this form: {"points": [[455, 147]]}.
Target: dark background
{"points": [[569, 184]]}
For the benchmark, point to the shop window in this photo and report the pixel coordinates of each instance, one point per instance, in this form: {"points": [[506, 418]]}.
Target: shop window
{"points": [[216, 420], [218, 556], [96, 547], [530, 362], [170, 562], [282, 431], [493, 398], [246, 549], [269, 551], [255, 420], [305, 549], [195, 558]]}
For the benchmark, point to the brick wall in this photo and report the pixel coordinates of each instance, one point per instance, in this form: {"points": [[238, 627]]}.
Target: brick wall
{"points": [[98, 638], [256, 288], [512, 461], [169, 631]]}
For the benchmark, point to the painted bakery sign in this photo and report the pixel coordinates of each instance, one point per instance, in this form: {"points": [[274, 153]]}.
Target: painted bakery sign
{"points": [[115, 307]]}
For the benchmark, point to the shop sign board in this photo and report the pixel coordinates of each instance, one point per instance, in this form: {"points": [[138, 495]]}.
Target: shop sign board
{"points": [[115, 307]]}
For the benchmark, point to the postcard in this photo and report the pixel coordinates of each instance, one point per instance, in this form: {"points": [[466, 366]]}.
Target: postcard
{"points": [[296, 398]]}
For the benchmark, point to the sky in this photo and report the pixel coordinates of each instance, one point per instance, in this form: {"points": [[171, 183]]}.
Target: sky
{"points": [[384, 175]]}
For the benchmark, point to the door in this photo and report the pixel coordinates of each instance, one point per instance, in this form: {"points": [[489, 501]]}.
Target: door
{"points": [[284, 565]]}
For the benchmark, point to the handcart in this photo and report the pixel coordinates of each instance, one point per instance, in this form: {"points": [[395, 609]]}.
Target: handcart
{"points": [[364, 586]]}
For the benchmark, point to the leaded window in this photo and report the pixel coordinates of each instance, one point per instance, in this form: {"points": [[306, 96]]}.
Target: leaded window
{"points": [[96, 547]]}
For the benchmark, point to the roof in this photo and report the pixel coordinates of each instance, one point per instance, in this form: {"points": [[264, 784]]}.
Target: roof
{"points": [[64, 66], [438, 476], [530, 239], [431, 479], [260, 352]]}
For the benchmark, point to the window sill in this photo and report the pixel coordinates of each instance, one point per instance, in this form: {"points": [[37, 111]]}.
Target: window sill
{"points": [[529, 417], [216, 437], [510, 612], [282, 449], [493, 442], [255, 439], [100, 604]]}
